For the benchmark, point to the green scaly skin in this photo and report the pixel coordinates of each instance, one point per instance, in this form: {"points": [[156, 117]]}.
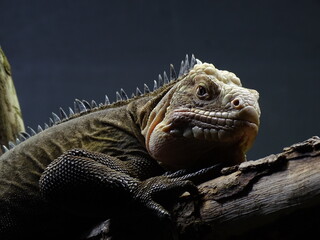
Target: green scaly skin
{"points": [[117, 154]]}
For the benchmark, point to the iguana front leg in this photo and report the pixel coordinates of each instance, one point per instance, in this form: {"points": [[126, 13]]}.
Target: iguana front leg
{"points": [[91, 183]]}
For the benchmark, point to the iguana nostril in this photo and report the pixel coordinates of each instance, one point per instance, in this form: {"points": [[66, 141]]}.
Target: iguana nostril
{"points": [[237, 103]]}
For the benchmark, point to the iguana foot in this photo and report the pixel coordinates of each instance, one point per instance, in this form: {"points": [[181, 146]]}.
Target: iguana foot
{"points": [[154, 191]]}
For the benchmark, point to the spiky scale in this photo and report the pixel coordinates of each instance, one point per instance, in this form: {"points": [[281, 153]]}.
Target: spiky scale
{"points": [[81, 106], [46, 126], [63, 114], [76, 107], [186, 64], [146, 88], [40, 129], [193, 61], [56, 118], [132, 95], [4, 148], [51, 122], [138, 92], [18, 141], [71, 112], [165, 78], [32, 131], [118, 96], [155, 85], [22, 137], [123, 94], [94, 104], [106, 101], [160, 81], [86, 104], [25, 134], [173, 74], [11, 145], [181, 71]]}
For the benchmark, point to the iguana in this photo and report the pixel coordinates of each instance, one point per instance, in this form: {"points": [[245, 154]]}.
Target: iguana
{"points": [[100, 157]]}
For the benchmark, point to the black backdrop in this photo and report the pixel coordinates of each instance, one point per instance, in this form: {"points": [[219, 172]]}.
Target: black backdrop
{"points": [[61, 50]]}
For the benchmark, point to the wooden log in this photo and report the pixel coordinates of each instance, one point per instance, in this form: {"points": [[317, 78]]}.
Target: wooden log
{"points": [[257, 197], [276, 197], [11, 122]]}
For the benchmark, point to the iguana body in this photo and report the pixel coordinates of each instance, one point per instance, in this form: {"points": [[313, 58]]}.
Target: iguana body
{"points": [[202, 118]]}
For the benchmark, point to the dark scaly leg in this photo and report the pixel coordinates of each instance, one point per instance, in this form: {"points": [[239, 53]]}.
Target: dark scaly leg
{"points": [[93, 183]]}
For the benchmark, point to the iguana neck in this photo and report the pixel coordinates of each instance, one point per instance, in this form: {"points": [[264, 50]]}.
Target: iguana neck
{"points": [[151, 109]]}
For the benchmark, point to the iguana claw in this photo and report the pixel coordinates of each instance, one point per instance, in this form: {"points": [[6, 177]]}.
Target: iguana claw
{"points": [[153, 191]]}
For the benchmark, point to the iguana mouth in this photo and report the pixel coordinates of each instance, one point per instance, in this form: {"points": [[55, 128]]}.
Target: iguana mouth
{"points": [[211, 125]]}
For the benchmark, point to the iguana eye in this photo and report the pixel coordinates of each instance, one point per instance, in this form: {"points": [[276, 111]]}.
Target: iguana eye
{"points": [[202, 92]]}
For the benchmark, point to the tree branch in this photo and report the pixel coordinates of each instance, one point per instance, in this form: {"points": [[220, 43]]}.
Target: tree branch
{"points": [[276, 197], [257, 194], [11, 122]]}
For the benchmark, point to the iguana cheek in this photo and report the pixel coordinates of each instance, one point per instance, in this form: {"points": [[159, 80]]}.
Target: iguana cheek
{"points": [[155, 123]]}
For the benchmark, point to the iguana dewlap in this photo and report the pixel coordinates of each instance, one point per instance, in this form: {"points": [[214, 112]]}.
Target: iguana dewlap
{"points": [[101, 157]]}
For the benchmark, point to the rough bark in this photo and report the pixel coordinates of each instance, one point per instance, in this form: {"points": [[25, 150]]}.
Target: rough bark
{"points": [[276, 197], [11, 122]]}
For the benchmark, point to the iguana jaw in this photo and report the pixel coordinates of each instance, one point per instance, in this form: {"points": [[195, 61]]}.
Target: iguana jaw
{"points": [[193, 137]]}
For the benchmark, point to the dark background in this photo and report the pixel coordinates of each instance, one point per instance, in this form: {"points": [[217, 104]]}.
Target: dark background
{"points": [[62, 50]]}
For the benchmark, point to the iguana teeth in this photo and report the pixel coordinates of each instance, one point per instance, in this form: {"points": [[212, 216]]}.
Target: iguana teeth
{"points": [[197, 132], [138, 92], [11, 145], [123, 94], [207, 134], [146, 88], [71, 113], [56, 119], [33, 132], [193, 61], [214, 134], [94, 104], [222, 134], [173, 74], [155, 85], [4, 148], [160, 80], [175, 132], [188, 133], [200, 133], [165, 78], [63, 114], [86, 104], [106, 101], [118, 96], [181, 71], [40, 129]]}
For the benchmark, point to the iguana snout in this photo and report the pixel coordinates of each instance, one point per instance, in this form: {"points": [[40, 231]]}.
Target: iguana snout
{"points": [[208, 117]]}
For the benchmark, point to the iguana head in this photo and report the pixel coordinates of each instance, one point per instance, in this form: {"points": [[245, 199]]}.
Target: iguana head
{"points": [[207, 117]]}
